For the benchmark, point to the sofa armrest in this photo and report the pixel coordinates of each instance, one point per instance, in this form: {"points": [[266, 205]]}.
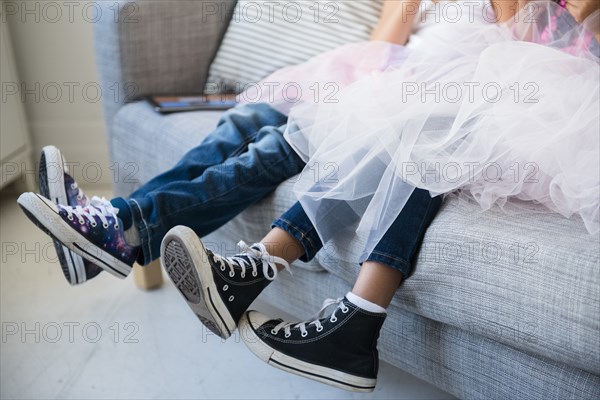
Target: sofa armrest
{"points": [[145, 47]]}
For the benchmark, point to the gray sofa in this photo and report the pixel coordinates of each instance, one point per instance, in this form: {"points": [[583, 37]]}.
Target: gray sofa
{"points": [[499, 306]]}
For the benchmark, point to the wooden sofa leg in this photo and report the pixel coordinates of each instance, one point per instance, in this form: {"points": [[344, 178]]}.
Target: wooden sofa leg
{"points": [[148, 277]]}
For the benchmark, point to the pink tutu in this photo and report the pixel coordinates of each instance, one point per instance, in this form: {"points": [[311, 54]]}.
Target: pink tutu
{"points": [[320, 79], [480, 108]]}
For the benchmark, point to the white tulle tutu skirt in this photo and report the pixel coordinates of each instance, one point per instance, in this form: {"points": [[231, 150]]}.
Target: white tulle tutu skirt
{"points": [[508, 115]]}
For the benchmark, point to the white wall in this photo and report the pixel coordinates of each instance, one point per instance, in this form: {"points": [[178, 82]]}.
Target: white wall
{"points": [[54, 52]]}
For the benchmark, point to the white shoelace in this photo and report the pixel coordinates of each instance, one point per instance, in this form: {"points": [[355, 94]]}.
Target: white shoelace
{"points": [[315, 319], [269, 262], [99, 207]]}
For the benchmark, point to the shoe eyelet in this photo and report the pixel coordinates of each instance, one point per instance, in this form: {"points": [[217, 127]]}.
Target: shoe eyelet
{"points": [[105, 226], [231, 298], [72, 186], [81, 222], [345, 310], [333, 319], [116, 227], [231, 274], [79, 197], [304, 334], [93, 224], [225, 288], [70, 217], [319, 328], [254, 274], [287, 335], [222, 268], [273, 332]]}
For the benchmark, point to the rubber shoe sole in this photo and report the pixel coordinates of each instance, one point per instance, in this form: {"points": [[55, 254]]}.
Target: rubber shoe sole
{"points": [[184, 259], [39, 208], [277, 359], [71, 264]]}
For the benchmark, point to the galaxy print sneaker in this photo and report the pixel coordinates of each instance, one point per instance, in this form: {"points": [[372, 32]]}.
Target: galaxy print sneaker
{"points": [[218, 289], [57, 185], [338, 349], [93, 232]]}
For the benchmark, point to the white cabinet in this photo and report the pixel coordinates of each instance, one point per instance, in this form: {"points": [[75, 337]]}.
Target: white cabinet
{"points": [[15, 148]]}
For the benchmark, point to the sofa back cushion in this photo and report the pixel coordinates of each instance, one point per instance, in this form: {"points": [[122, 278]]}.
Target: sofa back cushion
{"points": [[264, 36]]}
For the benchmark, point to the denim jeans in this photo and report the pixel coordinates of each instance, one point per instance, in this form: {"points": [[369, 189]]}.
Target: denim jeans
{"points": [[398, 246], [241, 161]]}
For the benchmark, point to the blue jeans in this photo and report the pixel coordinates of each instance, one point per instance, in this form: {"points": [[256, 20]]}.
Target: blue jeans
{"points": [[397, 248], [241, 161]]}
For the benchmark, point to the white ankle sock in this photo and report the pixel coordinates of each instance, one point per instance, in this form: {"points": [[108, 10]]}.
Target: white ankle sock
{"points": [[364, 304]]}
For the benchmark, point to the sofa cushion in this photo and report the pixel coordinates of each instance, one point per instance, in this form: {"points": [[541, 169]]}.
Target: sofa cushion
{"points": [[460, 361], [528, 280], [146, 143], [264, 36]]}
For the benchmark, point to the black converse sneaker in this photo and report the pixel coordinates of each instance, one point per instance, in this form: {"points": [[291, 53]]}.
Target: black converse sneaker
{"points": [[218, 289], [94, 232], [57, 185], [339, 350]]}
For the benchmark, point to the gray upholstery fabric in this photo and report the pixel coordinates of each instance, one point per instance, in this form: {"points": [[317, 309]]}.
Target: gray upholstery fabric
{"points": [[528, 280], [461, 362], [156, 47], [521, 324], [146, 143], [549, 305]]}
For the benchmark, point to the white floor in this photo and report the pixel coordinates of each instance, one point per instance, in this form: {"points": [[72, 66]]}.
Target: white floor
{"points": [[107, 339]]}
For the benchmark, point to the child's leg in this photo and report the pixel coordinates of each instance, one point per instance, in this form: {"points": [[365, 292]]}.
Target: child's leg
{"points": [[240, 162], [377, 283], [236, 129], [251, 159], [220, 289], [393, 258], [223, 191], [340, 348], [279, 243], [380, 276]]}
